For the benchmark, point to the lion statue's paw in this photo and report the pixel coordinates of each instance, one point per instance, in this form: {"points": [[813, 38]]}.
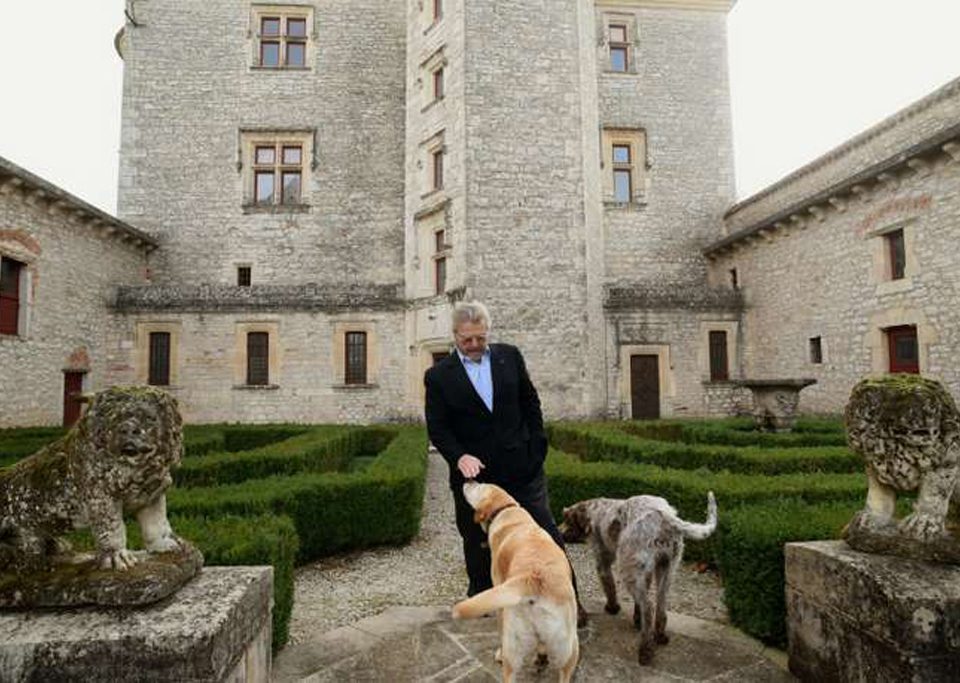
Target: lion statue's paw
{"points": [[165, 544], [120, 560], [922, 526]]}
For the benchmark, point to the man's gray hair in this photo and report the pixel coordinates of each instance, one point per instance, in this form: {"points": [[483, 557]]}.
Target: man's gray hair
{"points": [[470, 312]]}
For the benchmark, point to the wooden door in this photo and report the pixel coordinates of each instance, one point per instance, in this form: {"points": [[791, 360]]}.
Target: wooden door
{"points": [[72, 389], [645, 387], [438, 356]]}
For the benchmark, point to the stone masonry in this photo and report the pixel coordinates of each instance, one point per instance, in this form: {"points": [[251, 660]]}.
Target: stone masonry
{"points": [[456, 150], [520, 214], [813, 258], [72, 257]]}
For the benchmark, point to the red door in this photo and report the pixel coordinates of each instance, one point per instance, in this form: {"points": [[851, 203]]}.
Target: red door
{"points": [[72, 388], [903, 349]]}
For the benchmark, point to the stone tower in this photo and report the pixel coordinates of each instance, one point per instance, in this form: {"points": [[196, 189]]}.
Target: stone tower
{"points": [[325, 179]]}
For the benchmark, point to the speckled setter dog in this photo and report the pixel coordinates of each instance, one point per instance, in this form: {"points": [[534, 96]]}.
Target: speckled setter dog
{"points": [[643, 538]]}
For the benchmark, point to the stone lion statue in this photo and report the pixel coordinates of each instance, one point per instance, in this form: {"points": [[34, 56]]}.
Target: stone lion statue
{"points": [[907, 429], [116, 459]]}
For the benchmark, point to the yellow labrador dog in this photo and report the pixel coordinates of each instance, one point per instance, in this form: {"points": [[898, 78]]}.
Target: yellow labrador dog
{"points": [[533, 586]]}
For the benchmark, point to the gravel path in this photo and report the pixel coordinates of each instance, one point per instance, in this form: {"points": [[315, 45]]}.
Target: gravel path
{"points": [[340, 590]]}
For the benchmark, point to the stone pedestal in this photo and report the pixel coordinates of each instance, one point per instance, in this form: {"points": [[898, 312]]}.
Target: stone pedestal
{"points": [[853, 616], [217, 628]]}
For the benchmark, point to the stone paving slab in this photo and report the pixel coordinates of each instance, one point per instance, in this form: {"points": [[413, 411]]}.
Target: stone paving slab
{"points": [[422, 644]]}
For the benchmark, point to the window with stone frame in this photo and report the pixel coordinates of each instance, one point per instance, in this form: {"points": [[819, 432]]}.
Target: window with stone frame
{"points": [[624, 163], [278, 174], [719, 362], [903, 349], [276, 168], [258, 358], [158, 373], [618, 46], [433, 77], [11, 295], [897, 254], [622, 173], [816, 350], [355, 358], [282, 36], [244, 276], [436, 174], [440, 263], [431, 164], [437, 78]]}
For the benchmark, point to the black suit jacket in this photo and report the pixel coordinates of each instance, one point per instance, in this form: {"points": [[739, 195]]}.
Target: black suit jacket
{"points": [[509, 441]]}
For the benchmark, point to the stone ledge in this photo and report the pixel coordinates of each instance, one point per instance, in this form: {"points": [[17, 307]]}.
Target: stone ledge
{"points": [[284, 298], [645, 296], [858, 616], [217, 626]]}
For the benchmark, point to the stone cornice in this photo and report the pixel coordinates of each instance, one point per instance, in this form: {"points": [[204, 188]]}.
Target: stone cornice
{"points": [[40, 192], [951, 89], [702, 5], [281, 298], [917, 159], [629, 297]]}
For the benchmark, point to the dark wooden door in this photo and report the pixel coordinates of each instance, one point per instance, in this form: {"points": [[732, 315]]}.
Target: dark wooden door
{"points": [[72, 389], [439, 356], [903, 349], [645, 387]]}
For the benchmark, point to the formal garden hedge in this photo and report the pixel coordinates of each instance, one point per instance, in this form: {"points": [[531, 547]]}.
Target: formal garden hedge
{"points": [[284, 494], [288, 494], [767, 495]]}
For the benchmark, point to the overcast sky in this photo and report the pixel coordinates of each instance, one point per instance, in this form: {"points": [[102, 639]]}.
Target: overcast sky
{"points": [[805, 76]]}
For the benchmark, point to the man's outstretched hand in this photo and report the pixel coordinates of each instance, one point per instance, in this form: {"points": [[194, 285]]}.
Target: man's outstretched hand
{"points": [[469, 466]]}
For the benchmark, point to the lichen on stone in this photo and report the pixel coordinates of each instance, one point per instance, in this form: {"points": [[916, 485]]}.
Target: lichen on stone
{"points": [[116, 460]]}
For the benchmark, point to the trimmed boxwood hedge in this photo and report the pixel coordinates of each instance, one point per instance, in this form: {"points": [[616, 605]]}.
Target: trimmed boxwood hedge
{"points": [[751, 559], [571, 480], [247, 437], [18, 443], [316, 450], [331, 511], [608, 442], [718, 433], [259, 540], [761, 506]]}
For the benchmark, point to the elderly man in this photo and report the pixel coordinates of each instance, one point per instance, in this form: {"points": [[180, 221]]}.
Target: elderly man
{"points": [[483, 415]]}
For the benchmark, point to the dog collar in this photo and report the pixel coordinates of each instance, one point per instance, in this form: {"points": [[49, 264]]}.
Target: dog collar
{"points": [[496, 512]]}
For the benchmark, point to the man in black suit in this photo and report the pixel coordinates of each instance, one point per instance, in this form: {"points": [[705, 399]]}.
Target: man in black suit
{"points": [[483, 415]]}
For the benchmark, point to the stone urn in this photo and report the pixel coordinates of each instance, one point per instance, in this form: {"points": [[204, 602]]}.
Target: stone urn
{"points": [[775, 402]]}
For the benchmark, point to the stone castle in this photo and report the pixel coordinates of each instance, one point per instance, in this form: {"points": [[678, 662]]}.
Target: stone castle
{"points": [[306, 189]]}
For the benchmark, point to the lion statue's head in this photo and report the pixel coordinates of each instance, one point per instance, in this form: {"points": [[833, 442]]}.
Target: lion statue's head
{"points": [[130, 438]]}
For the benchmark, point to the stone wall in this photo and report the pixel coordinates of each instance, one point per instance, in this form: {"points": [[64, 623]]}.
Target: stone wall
{"points": [[825, 272], [73, 262], [527, 220], [657, 301], [680, 98], [306, 373]]}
